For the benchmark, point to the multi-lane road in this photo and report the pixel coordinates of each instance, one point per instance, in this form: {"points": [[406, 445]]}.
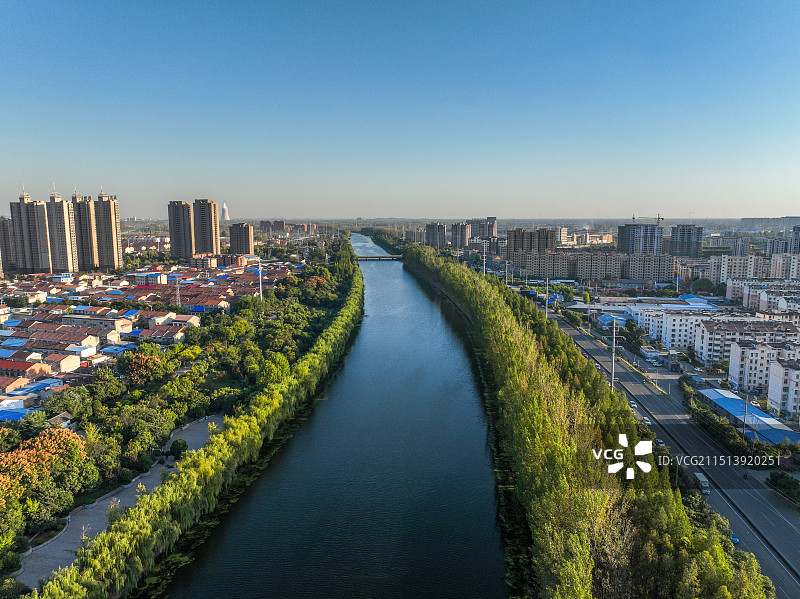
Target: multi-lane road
{"points": [[765, 525]]}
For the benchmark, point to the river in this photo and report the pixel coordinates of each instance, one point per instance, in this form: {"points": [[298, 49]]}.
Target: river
{"points": [[388, 489]]}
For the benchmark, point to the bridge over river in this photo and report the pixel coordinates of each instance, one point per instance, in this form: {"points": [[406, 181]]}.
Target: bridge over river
{"points": [[382, 257]]}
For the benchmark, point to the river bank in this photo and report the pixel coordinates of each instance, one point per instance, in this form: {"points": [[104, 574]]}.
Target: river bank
{"points": [[387, 489]]}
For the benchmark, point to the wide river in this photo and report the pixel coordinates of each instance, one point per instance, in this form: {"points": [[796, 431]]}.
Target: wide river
{"points": [[387, 490]]}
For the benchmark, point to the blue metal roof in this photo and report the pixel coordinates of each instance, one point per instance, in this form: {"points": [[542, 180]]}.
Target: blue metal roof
{"points": [[760, 425], [13, 415], [54, 300], [131, 312], [12, 322], [114, 292], [198, 309], [130, 296], [14, 342], [7, 353]]}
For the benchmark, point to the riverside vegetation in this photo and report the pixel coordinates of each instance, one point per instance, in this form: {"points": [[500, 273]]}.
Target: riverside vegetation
{"points": [[591, 534], [259, 364]]}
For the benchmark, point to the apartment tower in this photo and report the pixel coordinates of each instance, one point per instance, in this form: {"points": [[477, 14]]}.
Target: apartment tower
{"points": [[85, 232], [31, 234], [8, 245], [181, 230], [109, 237], [242, 239], [206, 226], [61, 227]]}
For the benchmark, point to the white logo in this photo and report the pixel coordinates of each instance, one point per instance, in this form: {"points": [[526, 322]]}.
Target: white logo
{"points": [[642, 448]]}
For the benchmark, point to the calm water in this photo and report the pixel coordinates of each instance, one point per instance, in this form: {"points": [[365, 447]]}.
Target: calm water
{"points": [[387, 490]]}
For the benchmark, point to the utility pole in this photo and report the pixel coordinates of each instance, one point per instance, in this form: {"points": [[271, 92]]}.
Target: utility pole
{"points": [[613, 351], [484, 259], [546, 297], [744, 422], [506, 272], [178, 292], [260, 287]]}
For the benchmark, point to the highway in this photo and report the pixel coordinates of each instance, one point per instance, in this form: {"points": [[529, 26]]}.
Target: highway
{"points": [[765, 525]]}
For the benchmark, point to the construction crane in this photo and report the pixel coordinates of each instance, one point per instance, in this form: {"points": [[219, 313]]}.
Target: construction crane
{"points": [[658, 218]]}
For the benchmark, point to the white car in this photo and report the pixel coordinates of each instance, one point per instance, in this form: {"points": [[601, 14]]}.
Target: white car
{"points": [[632, 404], [660, 442], [646, 420]]}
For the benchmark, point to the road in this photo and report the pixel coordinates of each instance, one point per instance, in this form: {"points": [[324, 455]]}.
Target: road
{"points": [[765, 525]]}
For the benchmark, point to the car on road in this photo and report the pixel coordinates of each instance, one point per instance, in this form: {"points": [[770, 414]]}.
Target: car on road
{"points": [[647, 421], [734, 538], [632, 404], [660, 442]]}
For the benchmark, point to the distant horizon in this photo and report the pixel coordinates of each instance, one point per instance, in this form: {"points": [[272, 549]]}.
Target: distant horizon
{"points": [[367, 108]]}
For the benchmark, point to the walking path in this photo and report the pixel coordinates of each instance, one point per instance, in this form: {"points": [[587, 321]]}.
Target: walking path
{"points": [[88, 522]]}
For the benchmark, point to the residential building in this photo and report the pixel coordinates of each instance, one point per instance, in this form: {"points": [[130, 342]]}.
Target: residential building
{"points": [[181, 230], [484, 227], [109, 237], [460, 234], [714, 337], [777, 245], [85, 232], [722, 268], [647, 267], [783, 392], [739, 246], [640, 238], [538, 240], [436, 235], [785, 266], [686, 240], [206, 227], [61, 227], [8, 244], [794, 240], [598, 265], [750, 363], [31, 235], [242, 239]]}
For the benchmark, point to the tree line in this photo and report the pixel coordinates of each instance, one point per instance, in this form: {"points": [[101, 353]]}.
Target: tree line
{"points": [[270, 390], [592, 534]]}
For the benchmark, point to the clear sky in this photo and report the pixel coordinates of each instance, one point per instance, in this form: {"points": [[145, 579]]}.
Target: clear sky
{"points": [[408, 109]]}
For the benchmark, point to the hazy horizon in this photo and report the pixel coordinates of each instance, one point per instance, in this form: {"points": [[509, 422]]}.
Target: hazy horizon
{"points": [[362, 110]]}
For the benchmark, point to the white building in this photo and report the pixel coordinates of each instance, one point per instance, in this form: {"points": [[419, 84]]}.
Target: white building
{"points": [[783, 394], [714, 337], [750, 363]]}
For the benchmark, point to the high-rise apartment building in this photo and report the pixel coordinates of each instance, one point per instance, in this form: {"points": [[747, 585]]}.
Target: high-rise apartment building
{"points": [[539, 240], [61, 227], [109, 237], [436, 235], [740, 246], [686, 240], [206, 227], [85, 232], [794, 240], [484, 227], [242, 239], [8, 244], [460, 233], [636, 238], [31, 235], [181, 230]]}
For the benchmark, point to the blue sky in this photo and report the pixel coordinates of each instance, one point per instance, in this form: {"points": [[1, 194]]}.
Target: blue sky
{"points": [[414, 109]]}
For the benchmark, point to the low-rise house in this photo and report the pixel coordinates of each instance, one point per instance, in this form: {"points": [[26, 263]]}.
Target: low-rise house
{"points": [[63, 362], [20, 368], [164, 334]]}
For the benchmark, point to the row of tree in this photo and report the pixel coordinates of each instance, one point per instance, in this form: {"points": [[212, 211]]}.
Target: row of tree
{"points": [[117, 558], [592, 534]]}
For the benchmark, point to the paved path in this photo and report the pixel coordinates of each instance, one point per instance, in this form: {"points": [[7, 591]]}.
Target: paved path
{"points": [[89, 522]]}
